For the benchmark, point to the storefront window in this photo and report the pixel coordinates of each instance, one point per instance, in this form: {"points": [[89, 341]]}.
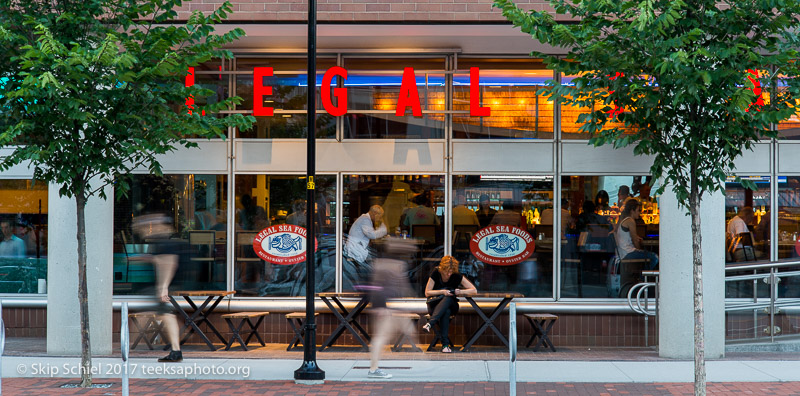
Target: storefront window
{"points": [[513, 89], [570, 127], [267, 200], [196, 208], [525, 202], [412, 207], [23, 250], [747, 232], [289, 84], [373, 90], [599, 259]]}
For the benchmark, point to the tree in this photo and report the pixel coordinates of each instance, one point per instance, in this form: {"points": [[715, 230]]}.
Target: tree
{"points": [[680, 80], [95, 88]]}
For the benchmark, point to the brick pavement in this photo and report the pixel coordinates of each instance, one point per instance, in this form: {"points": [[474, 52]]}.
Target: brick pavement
{"points": [[51, 386]]}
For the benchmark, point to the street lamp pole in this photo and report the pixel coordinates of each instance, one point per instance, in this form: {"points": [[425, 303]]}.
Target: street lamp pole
{"points": [[309, 371]]}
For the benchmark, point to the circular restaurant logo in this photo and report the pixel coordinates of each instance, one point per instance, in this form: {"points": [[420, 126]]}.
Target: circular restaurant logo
{"points": [[501, 245], [282, 244]]}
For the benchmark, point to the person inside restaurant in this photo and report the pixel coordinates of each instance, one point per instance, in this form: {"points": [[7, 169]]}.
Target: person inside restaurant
{"points": [[444, 286], [623, 194], [368, 226], [740, 239], [485, 213], [628, 241]]}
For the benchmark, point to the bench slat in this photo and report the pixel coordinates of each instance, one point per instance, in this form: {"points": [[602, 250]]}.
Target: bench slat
{"points": [[406, 315], [298, 315], [541, 316], [245, 315]]}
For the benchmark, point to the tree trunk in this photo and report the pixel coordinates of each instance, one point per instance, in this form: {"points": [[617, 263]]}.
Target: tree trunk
{"points": [[86, 356], [697, 255]]}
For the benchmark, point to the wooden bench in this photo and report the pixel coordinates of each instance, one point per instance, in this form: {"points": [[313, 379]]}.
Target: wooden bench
{"points": [[152, 328], [244, 317], [541, 323], [297, 320], [403, 338], [437, 337]]}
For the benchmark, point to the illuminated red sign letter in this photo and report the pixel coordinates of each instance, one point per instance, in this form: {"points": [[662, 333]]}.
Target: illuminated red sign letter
{"points": [[475, 109], [408, 95], [752, 76], [339, 93], [189, 82], [259, 90]]}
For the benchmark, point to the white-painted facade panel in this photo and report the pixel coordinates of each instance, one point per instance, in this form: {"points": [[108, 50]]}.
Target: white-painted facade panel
{"points": [[503, 157], [581, 158], [756, 161], [211, 156]]}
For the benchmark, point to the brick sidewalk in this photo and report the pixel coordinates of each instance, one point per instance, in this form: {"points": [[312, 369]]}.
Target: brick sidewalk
{"points": [[51, 386]]}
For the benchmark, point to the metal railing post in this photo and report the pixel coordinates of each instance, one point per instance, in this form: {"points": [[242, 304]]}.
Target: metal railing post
{"points": [[512, 349], [2, 343], [124, 346], [772, 292]]}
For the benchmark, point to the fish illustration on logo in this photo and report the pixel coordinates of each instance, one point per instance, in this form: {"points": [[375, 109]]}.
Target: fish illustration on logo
{"points": [[284, 243], [503, 244]]}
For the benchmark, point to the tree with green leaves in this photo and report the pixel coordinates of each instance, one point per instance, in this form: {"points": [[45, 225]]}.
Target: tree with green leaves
{"points": [[92, 89], [679, 80]]}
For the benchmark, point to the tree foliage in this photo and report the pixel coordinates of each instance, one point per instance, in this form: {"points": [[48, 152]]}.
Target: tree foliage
{"points": [[679, 72], [92, 89]]}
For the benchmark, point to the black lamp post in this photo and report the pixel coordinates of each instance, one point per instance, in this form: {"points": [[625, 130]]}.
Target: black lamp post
{"points": [[309, 371]]}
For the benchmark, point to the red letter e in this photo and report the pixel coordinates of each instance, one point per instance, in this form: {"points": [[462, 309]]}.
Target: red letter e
{"points": [[259, 90]]}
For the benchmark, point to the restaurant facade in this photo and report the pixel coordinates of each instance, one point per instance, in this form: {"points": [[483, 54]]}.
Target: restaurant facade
{"points": [[441, 177]]}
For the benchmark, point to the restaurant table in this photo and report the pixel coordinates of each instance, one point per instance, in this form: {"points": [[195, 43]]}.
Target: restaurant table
{"points": [[488, 321], [200, 313], [347, 319]]}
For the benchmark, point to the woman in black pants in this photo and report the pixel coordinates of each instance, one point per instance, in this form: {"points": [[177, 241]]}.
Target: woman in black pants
{"points": [[444, 284]]}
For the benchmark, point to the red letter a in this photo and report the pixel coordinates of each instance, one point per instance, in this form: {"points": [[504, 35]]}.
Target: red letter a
{"points": [[475, 109], [339, 93], [189, 82], [408, 95], [259, 90]]}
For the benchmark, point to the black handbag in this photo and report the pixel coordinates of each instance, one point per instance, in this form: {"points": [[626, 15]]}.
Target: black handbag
{"points": [[434, 299]]}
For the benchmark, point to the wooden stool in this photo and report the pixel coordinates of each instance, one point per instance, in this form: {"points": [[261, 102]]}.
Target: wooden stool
{"points": [[437, 337], [402, 338], [244, 318], [542, 324], [151, 330], [297, 320]]}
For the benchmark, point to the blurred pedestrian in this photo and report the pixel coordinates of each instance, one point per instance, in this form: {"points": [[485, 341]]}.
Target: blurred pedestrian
{"points": [[389, 280]]}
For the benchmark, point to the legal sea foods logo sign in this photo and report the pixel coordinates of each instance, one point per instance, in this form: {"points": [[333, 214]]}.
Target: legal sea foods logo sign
{"points": [[501, 245], [282, 244]]}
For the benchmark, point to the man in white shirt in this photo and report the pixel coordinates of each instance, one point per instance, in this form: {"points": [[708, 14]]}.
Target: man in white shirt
{"points": [[11, 246], [736, 226], [368, 226]]}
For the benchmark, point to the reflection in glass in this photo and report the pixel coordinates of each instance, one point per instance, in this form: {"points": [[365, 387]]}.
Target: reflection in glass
{"points": [[591, 263], [265, 200], [788, 232], [196, 207], [412, 206], [23, 249], [521, 201], [570, 127], [747, 231], [513, 89]]}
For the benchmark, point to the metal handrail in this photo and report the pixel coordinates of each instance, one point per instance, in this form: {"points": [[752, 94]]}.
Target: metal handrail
{"points": [[512, 349], [756, 265], [638, 308]]}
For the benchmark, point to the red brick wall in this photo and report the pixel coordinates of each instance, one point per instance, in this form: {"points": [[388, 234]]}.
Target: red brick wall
{"points": [[569, 330], [362, 10]]}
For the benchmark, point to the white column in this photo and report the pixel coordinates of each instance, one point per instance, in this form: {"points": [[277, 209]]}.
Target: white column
{"points": [[63, 312], [676, 305]]}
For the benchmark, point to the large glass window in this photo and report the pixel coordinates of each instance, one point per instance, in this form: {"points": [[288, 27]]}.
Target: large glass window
{"points": [[747, 232], [412, 207], [570, 127], [592, 206], [525, 202], [289, 84], [373, 90], [196, 206], [512, 88], [23, 249], [265, 200]]}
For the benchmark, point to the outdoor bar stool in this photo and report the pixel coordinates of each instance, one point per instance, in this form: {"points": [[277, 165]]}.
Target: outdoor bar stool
{"points": [[541, 323], [152, 329], [244, 317], [402, 338], [297, 320], [436, 337]]}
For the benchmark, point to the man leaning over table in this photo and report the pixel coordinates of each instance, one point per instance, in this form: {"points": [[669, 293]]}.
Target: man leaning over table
{"points": [[367, 227]]}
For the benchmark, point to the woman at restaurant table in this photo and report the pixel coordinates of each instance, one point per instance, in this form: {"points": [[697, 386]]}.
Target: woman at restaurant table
{"points": [[444, 285], [629, 243]]}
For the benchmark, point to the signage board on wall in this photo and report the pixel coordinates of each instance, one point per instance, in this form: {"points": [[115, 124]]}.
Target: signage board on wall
{"points": [[502, 245], [283, 244]]}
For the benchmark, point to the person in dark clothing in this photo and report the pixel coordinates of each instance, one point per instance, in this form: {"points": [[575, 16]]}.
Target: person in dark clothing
{"points": [[485, 213], [444, 284]]}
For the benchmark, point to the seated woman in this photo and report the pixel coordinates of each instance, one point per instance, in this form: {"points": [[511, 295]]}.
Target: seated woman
{"points": [[629, 243], [441, 291]]}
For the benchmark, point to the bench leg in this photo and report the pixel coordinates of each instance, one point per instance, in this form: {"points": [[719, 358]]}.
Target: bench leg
{"points": [[235, 336], [298, 333], [142, 334], [403, 339], [254, 331], [541, 331]]}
